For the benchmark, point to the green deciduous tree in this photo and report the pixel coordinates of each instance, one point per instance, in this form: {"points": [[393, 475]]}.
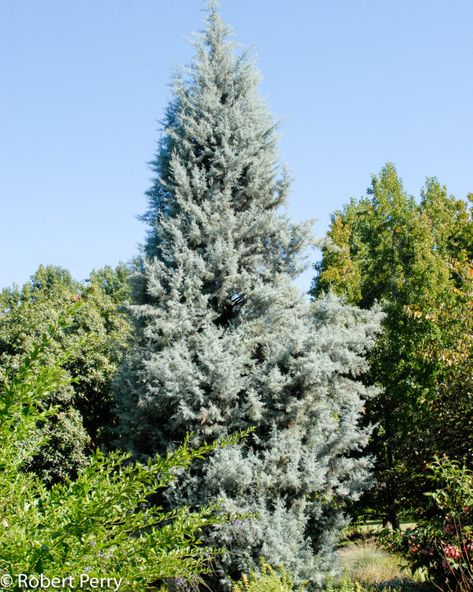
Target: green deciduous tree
{"points": [[94, 342], [223, 341], [415, 259]]}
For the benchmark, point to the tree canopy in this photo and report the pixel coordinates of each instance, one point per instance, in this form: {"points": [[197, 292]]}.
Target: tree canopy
{"points": [[415, 258], [94, 342]]}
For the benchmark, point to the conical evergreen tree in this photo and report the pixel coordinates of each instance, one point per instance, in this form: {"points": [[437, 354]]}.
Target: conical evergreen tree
{"points": [[223, 341]]}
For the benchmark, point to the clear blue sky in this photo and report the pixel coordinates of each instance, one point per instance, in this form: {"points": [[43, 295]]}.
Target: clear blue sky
{"points": [[83, 84]]}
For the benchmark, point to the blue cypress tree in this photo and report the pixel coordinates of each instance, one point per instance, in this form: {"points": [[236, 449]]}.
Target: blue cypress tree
{"points": [[223, 340]]}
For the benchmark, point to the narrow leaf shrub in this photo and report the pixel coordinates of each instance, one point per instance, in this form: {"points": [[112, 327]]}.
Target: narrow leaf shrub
{"points": [[101, 523]]}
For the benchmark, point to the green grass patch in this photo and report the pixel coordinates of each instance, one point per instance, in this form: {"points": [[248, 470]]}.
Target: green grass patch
{"points": [[376, 569]]}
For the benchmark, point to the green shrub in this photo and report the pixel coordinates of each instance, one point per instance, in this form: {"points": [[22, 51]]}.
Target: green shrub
{"points": [[266, 579], [100, 524], [442, 542]]}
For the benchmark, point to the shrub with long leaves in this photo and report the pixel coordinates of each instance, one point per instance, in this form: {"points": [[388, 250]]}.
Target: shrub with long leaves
{"points": [[101, 523]]}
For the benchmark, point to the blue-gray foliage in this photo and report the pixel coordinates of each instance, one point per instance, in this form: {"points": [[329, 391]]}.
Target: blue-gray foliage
{"points": [[223, 340]]}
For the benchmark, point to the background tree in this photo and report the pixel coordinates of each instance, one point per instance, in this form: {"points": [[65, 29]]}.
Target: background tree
{"points": [[223, 341], [415, 259], [94, 342], [449, 343]]}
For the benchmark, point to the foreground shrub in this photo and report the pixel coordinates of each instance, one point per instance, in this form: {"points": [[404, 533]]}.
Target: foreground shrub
{"points": [[269, 580], [442, 543], [266, 579], [101, 524]]}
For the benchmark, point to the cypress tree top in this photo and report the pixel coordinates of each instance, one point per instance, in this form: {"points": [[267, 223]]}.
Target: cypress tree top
{"points": [[214, 205]]}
